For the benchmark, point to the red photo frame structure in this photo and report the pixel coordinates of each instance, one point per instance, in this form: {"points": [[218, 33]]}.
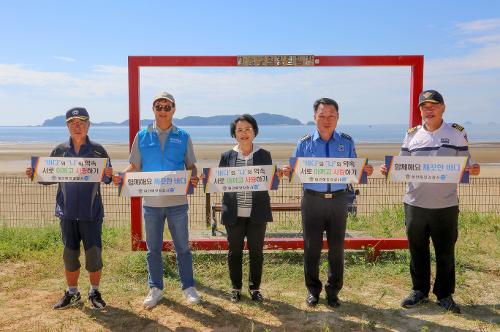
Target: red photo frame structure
{"points": [[415, 62]]}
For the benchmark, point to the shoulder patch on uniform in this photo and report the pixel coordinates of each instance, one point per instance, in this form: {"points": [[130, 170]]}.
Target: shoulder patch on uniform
{"points": [[344, 135], [412, 130], [457, 127], [303, 138]]}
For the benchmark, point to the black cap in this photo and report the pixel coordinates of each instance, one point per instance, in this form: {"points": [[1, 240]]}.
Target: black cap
{"points": [[430, 96], [77, 113]]}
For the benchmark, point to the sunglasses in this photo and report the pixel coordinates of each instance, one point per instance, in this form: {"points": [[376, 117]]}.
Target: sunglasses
{"points": [[166, 108]]}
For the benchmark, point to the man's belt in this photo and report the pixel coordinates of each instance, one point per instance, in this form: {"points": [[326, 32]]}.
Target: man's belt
{"points": [[325, 194]]}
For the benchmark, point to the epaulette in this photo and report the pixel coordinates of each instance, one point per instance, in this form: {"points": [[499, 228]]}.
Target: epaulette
{"points": [[457, 127], [412, 130], [303, 138], [344, 135]]}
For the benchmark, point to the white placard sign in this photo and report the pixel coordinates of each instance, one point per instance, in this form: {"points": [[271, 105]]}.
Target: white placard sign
{"points": [[329, 170], [239, 179], [435, 169], [162, 183], [66, 169]]}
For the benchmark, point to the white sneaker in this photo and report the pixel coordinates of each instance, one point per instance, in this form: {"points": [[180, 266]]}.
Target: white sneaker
{"points": [[191, 295], [154, 296]]}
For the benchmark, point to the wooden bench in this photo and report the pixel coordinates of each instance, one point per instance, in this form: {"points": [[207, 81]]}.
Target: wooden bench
{"points": [[275, 207]]}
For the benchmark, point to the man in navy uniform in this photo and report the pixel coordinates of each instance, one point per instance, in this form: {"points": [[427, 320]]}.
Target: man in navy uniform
{"points": [[81, 211], [324, 205], [431, 209]]}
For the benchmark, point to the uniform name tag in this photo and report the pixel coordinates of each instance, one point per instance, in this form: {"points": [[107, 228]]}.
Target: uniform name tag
{"points": [[427, 169], [162, 183], [239, 179], [328, 170], [65, 169]]}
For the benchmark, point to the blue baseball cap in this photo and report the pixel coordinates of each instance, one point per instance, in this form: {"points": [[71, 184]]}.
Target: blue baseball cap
{"points": [[77, 113]]}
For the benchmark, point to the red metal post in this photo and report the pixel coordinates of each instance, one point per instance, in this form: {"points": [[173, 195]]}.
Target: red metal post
{"points": [[417, 86], [377, 244], [134, 126]]}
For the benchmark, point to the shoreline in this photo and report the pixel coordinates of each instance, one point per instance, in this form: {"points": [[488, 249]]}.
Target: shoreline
{"points": [[15, 158]]}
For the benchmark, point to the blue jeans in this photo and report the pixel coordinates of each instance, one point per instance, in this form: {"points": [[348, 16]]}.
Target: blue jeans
{"points": [[177, 219]]}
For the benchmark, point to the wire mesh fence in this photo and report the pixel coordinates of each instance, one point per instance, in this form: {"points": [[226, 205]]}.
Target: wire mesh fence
{"points": [[23, 203]]}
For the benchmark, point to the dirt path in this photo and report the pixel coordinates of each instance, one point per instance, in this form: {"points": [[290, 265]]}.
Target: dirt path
{"points": [[27, 306]]}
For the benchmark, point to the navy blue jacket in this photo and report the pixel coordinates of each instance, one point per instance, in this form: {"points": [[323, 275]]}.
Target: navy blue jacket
{"points": [[261, 202], [79, 200]]}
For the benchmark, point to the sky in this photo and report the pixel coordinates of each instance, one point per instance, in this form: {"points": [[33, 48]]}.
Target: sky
{"points": [[59, 54]]}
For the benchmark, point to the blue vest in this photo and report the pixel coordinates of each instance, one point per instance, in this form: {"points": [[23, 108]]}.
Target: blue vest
{"points": [[173, 155]]}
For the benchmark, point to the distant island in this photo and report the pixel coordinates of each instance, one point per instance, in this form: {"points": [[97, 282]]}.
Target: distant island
{"points": [[263, 119]]}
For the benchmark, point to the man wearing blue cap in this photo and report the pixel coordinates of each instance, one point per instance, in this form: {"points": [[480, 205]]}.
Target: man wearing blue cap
{"points": [[431, 209], [80, 209]]}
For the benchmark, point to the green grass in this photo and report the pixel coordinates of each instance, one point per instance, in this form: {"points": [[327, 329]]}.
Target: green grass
{"points": [[478, 237], [16, 242], [388, 222], [366, 283], [22, 242]]}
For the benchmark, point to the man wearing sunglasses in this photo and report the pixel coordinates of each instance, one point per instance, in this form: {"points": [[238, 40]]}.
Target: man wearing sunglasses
{"points": [[162, 146]]}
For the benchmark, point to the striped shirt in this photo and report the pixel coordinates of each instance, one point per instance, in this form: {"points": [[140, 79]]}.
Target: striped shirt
{"points": [[447, 140], [244, 199]]}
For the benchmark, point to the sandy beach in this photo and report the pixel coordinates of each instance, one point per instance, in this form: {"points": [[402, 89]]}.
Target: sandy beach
{"points": [[14, 159]]}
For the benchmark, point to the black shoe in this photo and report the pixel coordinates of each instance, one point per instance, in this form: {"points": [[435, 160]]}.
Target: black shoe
{"points": [[68, 300], [96, 301], [416, 297], [449, 304], [256, 296], [235, 295], [333, 301], [311, 300]]}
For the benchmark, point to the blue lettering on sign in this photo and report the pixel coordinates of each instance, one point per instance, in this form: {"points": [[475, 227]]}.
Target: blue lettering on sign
{"points": [[321, 163], [453, 167], [222, 172], [163, 181]]}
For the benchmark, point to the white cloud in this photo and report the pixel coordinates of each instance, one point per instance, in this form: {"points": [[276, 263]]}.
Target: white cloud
{"points": [[18, 74], [470, 82], [64, 84], [107, 69], [486, 58], [479, 25], [45, 94], [284, 91], [489, 39], [64, 58], [480, 32], [366, 95]]}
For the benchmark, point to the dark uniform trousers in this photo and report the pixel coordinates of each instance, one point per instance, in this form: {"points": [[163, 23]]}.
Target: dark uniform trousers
{"points": [[321, 215], [441, 225], [254, 232]]}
